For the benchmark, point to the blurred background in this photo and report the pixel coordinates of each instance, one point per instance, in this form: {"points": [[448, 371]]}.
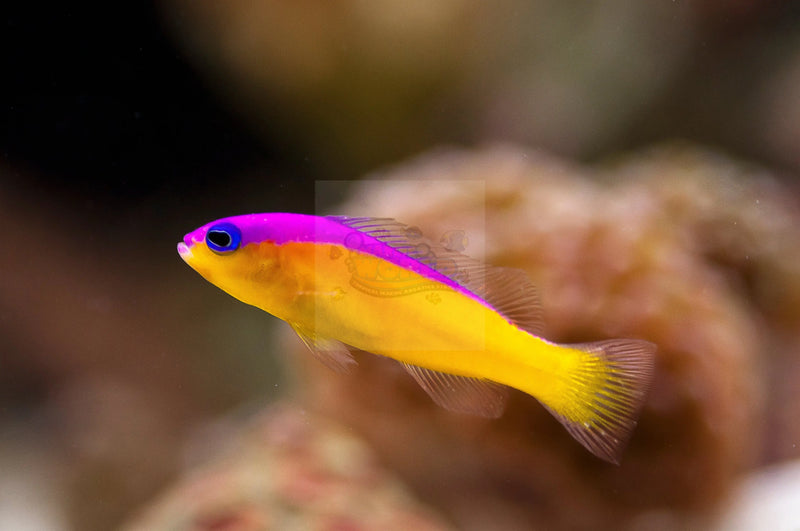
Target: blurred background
{"points": [[122, 128]]}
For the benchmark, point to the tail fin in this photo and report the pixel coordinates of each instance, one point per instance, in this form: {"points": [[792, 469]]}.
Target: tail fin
{"points": [[605, 393]]}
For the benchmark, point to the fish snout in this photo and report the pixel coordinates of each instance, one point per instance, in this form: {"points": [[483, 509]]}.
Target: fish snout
{"points": [[185, 251]]}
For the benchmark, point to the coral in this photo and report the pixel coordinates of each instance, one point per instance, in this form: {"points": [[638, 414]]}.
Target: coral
{"points": [[288, 470], [682, 247], [686, 248]]}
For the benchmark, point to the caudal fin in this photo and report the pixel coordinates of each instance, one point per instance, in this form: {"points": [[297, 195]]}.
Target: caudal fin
{"points": [[605, 392]]}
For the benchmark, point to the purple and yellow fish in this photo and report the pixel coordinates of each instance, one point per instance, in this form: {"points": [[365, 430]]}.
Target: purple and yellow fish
{"points": [[465, 331]]}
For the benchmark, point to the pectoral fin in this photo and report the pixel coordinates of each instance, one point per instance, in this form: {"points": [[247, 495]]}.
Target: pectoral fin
{"points": [[460, 393], [334, 354]]}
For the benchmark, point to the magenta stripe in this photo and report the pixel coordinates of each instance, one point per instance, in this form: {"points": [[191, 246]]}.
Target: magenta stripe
{"points": [[281, 228]]}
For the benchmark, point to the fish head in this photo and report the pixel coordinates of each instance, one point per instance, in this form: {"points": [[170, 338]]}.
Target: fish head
{"points": [[237, 254]]}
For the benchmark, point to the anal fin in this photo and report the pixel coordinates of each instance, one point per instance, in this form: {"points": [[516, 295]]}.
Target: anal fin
{"points": [[332, 353], [461, 394]]}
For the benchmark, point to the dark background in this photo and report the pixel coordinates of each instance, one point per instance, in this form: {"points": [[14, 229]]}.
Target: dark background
{"points": [[102, 110], [103, 105]]}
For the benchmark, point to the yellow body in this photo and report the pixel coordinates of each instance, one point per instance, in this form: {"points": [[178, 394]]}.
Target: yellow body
{"points": [[321, 287], [332, 292]]}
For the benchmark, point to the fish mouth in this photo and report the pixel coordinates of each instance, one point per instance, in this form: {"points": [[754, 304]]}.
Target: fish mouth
{"points": [[185, 251], [189, 241]]}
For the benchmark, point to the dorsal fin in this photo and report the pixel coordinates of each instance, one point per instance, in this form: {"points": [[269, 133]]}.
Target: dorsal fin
{"points": [[511, 293], [507, 290]]}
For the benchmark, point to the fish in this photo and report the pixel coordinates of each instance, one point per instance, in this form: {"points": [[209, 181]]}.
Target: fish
{"points": [[467, 332]]}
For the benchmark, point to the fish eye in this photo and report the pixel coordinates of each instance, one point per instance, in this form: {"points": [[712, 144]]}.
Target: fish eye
{"points": [[223, 238]]}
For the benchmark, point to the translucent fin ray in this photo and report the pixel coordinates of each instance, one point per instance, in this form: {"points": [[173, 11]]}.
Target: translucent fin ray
{"points": [[511, 293], [332, 353], [460, 393], [607, 392]]}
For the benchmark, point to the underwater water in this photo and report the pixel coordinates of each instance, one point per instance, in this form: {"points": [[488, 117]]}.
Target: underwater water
{"points": [[637, 162]]}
